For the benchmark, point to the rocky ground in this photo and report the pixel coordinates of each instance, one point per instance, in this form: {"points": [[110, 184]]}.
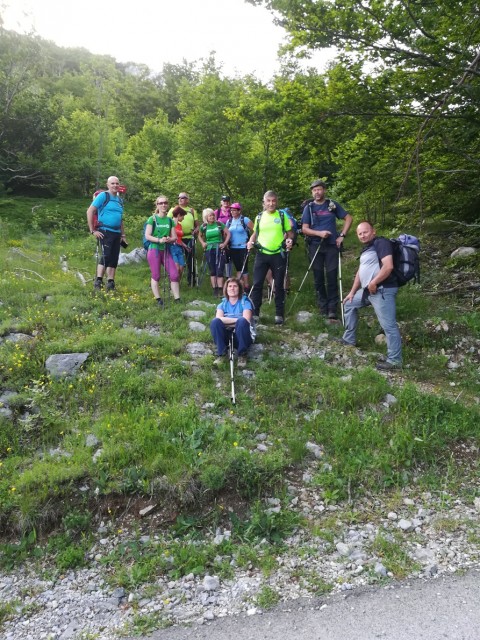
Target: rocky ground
{"points": [[342, 547], [427, 535]]}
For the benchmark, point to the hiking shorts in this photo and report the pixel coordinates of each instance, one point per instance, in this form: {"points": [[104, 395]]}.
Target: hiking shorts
{"points": [[110, 244], [177, 254]]}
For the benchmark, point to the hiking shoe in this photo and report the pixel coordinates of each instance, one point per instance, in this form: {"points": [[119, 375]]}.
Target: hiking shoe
{"points": [[279, 320], [98, 284], [388, 366], [160, 302], [343, 342], [177, 300], [219, 360], [110, 285], [332, 315], [242, 361]]}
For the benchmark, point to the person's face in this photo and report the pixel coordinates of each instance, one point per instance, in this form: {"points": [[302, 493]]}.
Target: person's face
{"points": [[270, 203], [235, 212], [318, 193], [180, 218], [365, 233], [211, 218], [233, 289], [225, 204], [113, 185], [162, 206], [183, 201]]}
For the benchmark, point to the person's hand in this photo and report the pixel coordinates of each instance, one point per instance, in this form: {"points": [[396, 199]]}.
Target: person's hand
{"points": [[249, 245], [324, 234], [97, 234], [372, 288], [289, 243], [339, 241], [349, 297]]}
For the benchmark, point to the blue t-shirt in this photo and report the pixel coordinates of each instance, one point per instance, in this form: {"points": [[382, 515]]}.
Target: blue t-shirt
{"points": [[235, 310], [110, 215], [323, 217], [238, 232]]}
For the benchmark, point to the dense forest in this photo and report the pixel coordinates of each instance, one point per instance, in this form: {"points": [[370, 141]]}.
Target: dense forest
{"points": [[393, 124]]}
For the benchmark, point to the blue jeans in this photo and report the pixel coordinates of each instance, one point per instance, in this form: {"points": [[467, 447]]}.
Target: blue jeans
{"points": [[384, 305], [241, 336]]}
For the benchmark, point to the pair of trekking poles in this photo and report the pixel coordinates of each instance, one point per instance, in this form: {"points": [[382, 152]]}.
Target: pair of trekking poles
{"points": [[339, 280]]}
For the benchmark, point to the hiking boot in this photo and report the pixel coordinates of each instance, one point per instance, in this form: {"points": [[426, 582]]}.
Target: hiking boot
{"points": [[343, 342], [177, 300], [388, 366], [332, 315], [98, 283], [219, 360], [279, 320], [160, 302], [242, 361], [110, 285]]}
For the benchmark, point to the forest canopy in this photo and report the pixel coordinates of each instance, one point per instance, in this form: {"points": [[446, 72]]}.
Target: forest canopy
{"points": [[393, 123]]}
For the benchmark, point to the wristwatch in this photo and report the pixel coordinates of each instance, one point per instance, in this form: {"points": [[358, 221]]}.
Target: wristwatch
{"points": [[342, 235]]}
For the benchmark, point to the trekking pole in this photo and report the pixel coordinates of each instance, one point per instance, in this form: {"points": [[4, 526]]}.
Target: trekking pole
{"points": [[217, 264], [191, 259], [271, 290], [340, 285], [203, 270], [244, 264], [305, 276], [230, 356], [285, 279]]}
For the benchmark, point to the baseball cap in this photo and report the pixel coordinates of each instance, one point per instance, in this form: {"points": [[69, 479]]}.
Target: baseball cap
{"points": [[236, 205], [318, 183], [226, 198]]}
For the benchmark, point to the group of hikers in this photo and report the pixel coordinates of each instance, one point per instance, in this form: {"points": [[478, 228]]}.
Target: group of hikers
{"points": [[228, 237]]}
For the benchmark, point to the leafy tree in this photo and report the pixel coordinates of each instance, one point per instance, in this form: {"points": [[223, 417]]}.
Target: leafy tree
{"points": [[426, 56]]}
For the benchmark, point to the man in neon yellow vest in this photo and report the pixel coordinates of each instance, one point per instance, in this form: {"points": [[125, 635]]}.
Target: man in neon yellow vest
{"points": [[273, 237]]}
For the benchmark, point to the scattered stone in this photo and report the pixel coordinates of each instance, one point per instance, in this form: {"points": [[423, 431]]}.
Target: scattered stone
{"points": [[211, 583], [392, 515], [198, 349], [146, 510], [380, 339], [196, 326], [315, 449], [136, 256], [304, 316], [476, 504], [405, 525], [193, 314], [380, 569], [463, 252], [343, 549], [65, 364], [91, 441], [17, 337]]}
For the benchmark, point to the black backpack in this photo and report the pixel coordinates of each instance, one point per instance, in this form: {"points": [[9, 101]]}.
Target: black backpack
{"points": [[406, 261]]}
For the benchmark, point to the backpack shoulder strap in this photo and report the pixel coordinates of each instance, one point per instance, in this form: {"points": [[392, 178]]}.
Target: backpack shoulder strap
{"points": [[106, 200]]}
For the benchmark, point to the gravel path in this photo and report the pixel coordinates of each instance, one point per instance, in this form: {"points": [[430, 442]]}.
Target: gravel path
{"points": [[434, 536]]}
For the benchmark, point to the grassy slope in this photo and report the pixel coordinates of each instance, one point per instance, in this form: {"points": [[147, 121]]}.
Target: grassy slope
{"points": [[143, 400]]}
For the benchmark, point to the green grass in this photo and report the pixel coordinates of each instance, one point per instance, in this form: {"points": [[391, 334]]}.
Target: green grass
{"points": [[138, 394]]}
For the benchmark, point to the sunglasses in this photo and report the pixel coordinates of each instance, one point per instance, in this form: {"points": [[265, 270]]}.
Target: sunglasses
{"points": [[162, 202]]}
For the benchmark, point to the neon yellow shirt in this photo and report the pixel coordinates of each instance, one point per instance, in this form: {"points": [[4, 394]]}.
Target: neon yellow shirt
{"points": [[270, 231]]}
